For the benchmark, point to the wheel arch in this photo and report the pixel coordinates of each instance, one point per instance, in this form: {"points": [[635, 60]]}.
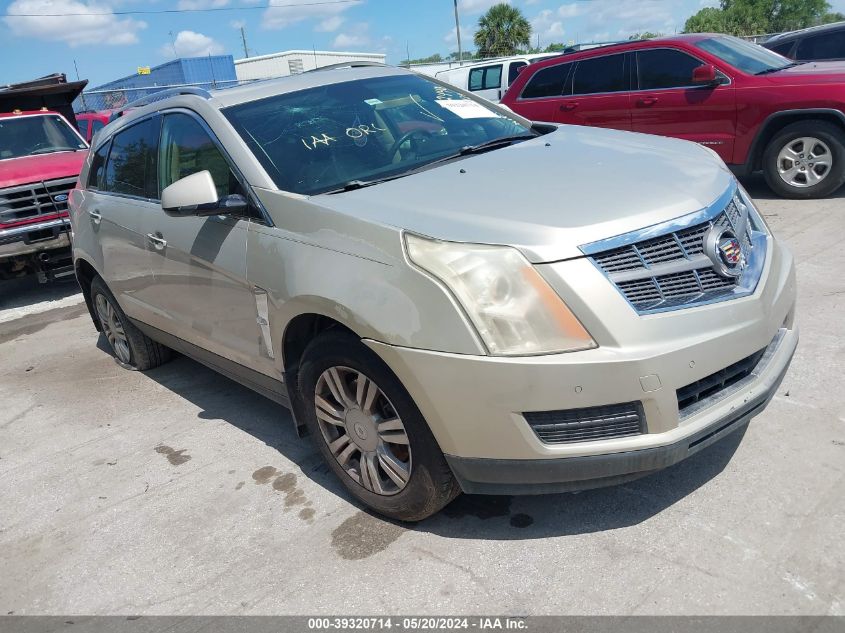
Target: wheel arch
{"points": [[774, 123], [85, 274]]}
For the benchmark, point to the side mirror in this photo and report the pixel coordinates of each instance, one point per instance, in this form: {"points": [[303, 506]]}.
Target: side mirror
{"points": [[197, 195], [705, 75]]}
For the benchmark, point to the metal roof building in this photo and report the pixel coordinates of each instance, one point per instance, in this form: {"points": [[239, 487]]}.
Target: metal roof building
{"points": [[295, 62], [213, 71]]}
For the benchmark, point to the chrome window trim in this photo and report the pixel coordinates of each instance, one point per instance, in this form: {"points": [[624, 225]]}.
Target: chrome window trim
{"points": [[747, 282]]}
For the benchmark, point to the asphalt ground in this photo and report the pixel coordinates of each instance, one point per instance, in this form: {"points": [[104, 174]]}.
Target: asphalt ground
{"points": [[177, 491]]}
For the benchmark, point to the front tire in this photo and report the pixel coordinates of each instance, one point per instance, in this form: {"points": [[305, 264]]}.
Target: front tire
{"points": [[370, 432], [805, 160], [132, 348]]}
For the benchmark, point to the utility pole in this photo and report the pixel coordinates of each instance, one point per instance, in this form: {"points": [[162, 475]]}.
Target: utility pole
{"points": [[407, 53], [173, 43], [243, 39], [458, 32]]}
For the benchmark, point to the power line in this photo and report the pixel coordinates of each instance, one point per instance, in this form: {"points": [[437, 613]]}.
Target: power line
{"points": [[207, 10]]}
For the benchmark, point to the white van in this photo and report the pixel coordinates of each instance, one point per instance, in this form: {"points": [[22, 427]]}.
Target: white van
{"points": [[491, 77]]}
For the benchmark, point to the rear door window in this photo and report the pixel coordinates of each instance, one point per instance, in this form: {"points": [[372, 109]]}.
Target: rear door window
{"points": [[665, 68], [485, 78], [825, 46], [131, 167], [547, 82], [514, 70], [82, 124], [600, 74]]}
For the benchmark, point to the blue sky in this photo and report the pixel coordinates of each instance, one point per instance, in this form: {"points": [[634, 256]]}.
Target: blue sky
{"points": [[110, 45]]}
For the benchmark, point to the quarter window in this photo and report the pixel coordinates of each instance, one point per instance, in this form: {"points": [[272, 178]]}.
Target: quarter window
{"points": [[665, 68], [96, 175], [547, 82], [827, 46], [783, 49], [600, 74], [186, 148], [83, 127], [131, 168], [485, 78]]}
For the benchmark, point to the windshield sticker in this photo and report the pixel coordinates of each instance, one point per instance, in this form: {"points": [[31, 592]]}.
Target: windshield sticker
{"points": [[442, 92], [466, 109], [372, 102]]}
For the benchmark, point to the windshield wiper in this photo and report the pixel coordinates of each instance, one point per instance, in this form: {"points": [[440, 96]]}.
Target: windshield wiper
{"points": [[53, 150], [774, 70], [352, 185], [493, 144]]}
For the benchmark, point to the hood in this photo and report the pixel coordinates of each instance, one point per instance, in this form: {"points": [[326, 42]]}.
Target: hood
{"points": [[549, 195], [814, 72], [27, 169]]}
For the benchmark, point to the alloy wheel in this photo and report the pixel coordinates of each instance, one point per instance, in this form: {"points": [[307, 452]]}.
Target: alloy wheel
{"points": [[113, 328], [804, 162], [363, 430]]}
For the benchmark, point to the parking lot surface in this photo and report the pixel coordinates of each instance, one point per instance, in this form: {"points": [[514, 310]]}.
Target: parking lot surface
{"points": [[178, 491]]}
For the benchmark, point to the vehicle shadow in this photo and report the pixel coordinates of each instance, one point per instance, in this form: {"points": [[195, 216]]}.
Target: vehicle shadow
{"points": [[758, 189], [468, 516], [26, 291]]}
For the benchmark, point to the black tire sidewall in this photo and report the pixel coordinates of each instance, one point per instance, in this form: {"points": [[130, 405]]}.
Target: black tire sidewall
{"points": [[833, 137], [98, 287], [431, 485]]}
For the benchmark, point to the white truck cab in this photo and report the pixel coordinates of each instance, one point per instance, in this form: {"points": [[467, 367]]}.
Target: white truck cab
{"points": [[489, 78]]}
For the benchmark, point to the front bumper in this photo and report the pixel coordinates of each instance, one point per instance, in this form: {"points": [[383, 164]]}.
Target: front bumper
{"points": [[475, 405], [35, 238]]}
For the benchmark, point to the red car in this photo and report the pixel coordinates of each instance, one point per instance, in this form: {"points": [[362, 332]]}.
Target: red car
{"points": [[755, 108], [90, 122], [41, 156]]}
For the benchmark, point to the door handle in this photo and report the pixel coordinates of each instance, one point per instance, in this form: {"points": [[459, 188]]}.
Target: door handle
{"points": [[568, 106], [96, 216], [157, 241], [647, 101]]}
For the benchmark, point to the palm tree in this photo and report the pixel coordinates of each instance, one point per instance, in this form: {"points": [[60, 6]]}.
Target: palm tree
{"points": [[501, 31]]}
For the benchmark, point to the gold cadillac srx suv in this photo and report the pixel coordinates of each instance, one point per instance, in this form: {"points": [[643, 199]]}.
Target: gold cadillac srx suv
{"points": [[446, 295]]}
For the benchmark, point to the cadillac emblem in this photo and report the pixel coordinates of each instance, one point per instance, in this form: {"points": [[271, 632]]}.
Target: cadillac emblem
{"points": [[725, 251]]}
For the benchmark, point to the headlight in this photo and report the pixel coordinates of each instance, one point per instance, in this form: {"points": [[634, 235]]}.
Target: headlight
{"points": [[513, 308]]}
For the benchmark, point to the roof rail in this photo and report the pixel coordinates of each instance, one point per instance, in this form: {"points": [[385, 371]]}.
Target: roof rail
{"points": [[352, 64], [165, 94]]}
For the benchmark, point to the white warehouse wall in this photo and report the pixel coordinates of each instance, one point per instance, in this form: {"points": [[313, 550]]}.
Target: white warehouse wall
{"points": [[289, 62]]}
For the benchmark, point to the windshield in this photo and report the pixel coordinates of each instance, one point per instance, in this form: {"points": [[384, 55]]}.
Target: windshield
{"points": [[747, 57], [33, 135], [320, 139]]}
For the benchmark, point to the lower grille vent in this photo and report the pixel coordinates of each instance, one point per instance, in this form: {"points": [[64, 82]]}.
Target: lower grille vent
{"points": [[584, 425]]}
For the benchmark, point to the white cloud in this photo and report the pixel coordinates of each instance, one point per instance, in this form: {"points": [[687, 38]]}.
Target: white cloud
{"points": [[237, 24], [547, 25], [572, 10], [191, 44], [97, 25], [467, 34], [356, 36], [637, 17], [477, 6], [283, 13], [330, 24], [201, 4]]}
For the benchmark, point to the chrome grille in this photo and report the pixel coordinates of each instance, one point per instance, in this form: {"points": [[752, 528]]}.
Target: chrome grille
{"points": [[583, 425], [670, 268], [30, 201]]}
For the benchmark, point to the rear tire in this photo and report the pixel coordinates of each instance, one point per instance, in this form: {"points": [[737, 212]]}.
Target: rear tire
{"points": [[384, 452], [132, 348], [805, 160]]}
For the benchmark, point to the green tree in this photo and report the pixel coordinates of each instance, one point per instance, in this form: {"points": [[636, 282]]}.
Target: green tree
{"points": [[646, 35], [754, 17], [502, 31], [555, 48]]}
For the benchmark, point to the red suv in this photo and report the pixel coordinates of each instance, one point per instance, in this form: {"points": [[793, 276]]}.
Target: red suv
{"points": [[755, 108]]}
